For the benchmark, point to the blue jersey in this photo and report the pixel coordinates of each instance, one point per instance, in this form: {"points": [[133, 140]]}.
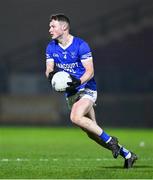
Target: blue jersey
{"points": [[70, 59]]}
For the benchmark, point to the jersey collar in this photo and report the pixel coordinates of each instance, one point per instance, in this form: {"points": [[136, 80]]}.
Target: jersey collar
{"points": [[65, 47]]}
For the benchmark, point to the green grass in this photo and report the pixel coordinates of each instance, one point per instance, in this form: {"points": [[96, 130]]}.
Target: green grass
{"points": [[67, 153]]}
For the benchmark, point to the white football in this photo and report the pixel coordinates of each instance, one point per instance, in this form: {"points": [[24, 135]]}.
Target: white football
{"points": [[60, 80]]}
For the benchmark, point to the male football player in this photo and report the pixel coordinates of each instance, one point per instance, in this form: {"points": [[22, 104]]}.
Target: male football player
{"points": [[73, 55]]}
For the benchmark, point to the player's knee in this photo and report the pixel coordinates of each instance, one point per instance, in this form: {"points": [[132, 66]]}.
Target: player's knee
{"points": [[75, 118]]}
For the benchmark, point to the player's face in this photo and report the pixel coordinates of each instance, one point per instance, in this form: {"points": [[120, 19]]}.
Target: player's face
{"points": [[55, 29]]}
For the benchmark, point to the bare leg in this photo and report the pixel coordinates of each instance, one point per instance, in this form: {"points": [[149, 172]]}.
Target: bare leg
{"points": [[91, 115], [78, 116]]}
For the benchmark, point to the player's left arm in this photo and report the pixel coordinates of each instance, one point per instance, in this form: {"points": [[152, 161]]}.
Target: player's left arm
{"points": [[89, 70]]}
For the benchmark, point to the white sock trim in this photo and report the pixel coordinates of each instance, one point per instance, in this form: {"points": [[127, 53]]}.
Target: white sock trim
{"points": [[128, 156], [108, 140]]}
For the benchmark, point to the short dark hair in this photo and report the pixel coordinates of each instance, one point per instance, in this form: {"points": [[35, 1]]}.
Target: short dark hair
{"points": [[60, 17]]}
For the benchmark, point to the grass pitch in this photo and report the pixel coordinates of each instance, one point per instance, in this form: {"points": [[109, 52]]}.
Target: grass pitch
{"points": [[67, 153]]}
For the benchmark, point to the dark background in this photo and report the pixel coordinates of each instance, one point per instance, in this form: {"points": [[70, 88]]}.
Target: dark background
{"points": [[120, 34]]}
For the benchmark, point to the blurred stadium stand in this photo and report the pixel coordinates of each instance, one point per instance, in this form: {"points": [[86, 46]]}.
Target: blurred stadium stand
{"points": [[122, 41]]}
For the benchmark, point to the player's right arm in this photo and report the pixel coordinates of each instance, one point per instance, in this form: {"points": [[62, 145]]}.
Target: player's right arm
{"points": [[49, 67], [49, 62]]}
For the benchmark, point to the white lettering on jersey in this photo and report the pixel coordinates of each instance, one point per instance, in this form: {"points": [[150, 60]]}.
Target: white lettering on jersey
{"points": [[55, 55], [68, 67]]}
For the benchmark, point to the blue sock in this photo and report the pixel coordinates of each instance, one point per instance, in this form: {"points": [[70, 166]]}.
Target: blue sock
{"points": [[105, 137], [125, 153]]}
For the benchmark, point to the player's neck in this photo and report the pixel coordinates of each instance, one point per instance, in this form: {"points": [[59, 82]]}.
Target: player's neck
{"points": [[65, 40]]}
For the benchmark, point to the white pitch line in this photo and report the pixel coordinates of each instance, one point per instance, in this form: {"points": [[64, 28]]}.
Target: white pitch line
{"points": [[98, 159], [56, 159], [4, 160], [43, 159]]}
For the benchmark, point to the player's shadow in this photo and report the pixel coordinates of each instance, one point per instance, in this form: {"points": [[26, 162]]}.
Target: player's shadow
{"points": [[112, 167], [120, 167]]}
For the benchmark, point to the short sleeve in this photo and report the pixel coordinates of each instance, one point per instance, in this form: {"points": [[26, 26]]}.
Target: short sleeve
{"points": [[84, 51], [49, 56]]}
